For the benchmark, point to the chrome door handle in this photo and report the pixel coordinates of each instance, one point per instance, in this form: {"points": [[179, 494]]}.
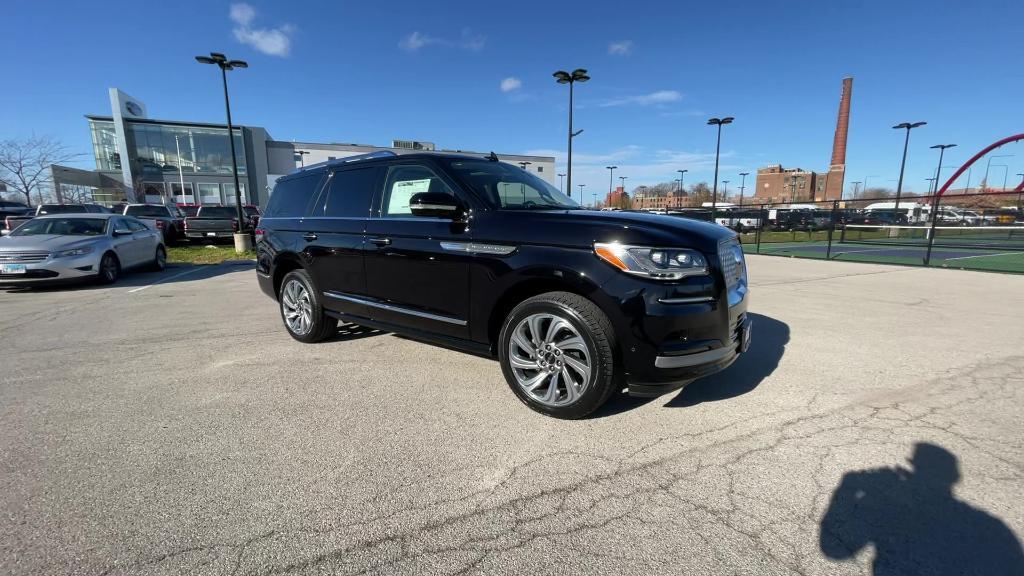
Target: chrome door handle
{"points": [[381, 241], [309, 236]]}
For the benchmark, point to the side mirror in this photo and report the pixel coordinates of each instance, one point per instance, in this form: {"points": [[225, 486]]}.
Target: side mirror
{"points": [[122, 232], [436, 204]]}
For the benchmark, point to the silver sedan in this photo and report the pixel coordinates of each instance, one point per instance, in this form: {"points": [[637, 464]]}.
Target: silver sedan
{"points": [[68, 247]]}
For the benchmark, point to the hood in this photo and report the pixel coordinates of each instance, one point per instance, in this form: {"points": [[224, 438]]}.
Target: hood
{"points": [[581, 228], [45, 242]]}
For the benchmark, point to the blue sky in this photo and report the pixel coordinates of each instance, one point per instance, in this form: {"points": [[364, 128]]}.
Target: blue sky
{"points": [[477, 75]]}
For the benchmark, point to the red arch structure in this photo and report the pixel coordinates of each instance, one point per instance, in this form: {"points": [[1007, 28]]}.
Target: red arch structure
{"points": [[976, 157]]}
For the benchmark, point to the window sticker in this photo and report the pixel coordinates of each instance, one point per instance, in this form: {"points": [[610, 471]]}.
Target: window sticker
{"points": [[402, 192]]}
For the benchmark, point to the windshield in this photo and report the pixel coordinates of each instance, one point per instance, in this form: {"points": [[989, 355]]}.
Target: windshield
{"points": [[147, 211], [63, 227], [509, 187]]}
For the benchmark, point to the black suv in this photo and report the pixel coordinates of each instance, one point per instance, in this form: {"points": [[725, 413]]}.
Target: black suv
{"points": [[482, 256]]}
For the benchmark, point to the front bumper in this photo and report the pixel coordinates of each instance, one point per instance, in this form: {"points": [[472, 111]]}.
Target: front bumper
{"points": [[55, 270]]}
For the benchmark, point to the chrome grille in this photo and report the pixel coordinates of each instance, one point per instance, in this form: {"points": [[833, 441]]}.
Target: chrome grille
{"points": [[733, 268], [22, 257]]}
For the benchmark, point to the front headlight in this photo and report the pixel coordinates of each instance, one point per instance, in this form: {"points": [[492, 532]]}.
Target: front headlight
{"points": [[656, 263], [73, 252]]}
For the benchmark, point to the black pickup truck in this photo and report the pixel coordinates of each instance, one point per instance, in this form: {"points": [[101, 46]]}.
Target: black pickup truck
{"points": [[212, 223]]}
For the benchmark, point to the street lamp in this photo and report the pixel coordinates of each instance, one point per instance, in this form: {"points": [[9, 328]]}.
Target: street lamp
{"points": [[989, 165], [581, 191], [906, 142], [743, 185], [718, 146], [611, 173], [220, 60], [856, 187], [681, 174], [563, 77], [938, 170], [302, 157], [725, 193], [560, 176], [523, 165]]}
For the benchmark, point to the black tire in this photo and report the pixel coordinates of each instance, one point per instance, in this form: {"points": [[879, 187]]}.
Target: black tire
{"points": [[320, 325], [110, 269], [594, 329], [159, 259]]}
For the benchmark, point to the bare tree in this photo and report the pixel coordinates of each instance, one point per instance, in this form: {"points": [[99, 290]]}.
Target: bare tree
{"points": [[25, 164]]}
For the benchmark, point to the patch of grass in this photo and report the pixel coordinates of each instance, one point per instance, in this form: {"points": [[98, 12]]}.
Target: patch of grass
{"points": [[210, 254]]}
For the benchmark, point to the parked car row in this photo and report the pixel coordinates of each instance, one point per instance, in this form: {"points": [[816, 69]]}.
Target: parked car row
{"points": [[175, 223]]}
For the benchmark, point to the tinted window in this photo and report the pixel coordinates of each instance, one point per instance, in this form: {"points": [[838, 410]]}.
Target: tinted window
{"points": [[509, 186], [190, 211], [136, 226], [351, 192], [63, 226], [147, 211], [405, 181], [291, 197], [61, 209], [217, 212]]}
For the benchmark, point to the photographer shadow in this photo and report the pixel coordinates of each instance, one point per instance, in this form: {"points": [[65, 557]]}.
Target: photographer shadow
{"points": [[915, 522]]}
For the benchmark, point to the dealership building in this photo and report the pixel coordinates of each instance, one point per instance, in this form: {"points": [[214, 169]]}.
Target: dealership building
{"points": [[139, 159]]}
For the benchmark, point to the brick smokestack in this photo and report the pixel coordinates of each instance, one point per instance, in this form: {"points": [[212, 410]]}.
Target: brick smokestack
{"points": [[842, 125]]}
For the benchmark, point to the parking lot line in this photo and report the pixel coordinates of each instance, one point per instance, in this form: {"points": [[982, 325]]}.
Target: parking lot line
{"points": [[165, 279]]}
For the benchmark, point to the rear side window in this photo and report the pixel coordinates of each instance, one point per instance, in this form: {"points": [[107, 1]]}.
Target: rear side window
{"points": [[350, 193], [291, 197]]}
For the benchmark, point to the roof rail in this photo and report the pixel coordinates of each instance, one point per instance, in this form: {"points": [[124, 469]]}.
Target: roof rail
{"points": [[347, 159]]}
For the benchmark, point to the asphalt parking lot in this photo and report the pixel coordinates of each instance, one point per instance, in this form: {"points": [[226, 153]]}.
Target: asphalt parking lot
{"points": [[175, 428]]}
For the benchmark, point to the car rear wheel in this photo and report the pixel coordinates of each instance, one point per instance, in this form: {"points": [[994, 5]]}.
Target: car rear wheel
{"points": [[160, 259], [110, 269], [557, 354], [302, 311]]}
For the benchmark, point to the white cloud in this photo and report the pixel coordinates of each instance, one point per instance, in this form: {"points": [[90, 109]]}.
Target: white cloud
{"points": [[417, 40], [272, 41], [511, 84], [620, 47], [658, 98]]}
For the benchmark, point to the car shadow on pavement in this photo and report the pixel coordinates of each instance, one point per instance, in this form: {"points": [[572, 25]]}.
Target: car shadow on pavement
{"points": [[347, 332], [139, 278], [767, 347], [915, 523]]}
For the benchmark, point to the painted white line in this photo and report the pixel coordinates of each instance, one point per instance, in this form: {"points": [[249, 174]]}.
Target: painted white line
{"points": [[869, 250], [983, 255], [162, 280]]}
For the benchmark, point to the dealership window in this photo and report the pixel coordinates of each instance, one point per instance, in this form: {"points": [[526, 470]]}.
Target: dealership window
{"points": [[229, 194], [153, 192], [209, 193], [162, 148], [104, 145], [187, 198]]}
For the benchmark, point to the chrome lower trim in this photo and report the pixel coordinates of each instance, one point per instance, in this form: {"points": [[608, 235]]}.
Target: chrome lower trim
{"points": [[393, 308], [695, 359], [693, 300], [476, 247]]}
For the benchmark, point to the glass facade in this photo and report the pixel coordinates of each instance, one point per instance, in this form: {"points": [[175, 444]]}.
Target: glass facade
{"points": [[104, 145], [198, 150]]}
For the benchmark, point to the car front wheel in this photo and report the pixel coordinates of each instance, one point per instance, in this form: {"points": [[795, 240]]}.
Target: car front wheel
{"points": [[557, 354], [110, 269], [302, 311], [159, 259]]}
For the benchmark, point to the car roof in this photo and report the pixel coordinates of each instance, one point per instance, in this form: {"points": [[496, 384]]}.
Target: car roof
{"points": [[375, 158], [81, 215]]}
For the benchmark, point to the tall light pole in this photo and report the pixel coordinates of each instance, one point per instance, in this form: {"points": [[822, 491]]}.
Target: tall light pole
{"points": [[856, 187], [523, 165], [866, 181], [682, 173], [581, 191], [563, 77], [560, 176], [718, 147], [938, 169], [594, 205], [224, 64], [725, 193], [989, 164], [622, 182], [908, 126], [302, 157], [611, 173], [1006, 172], [743, 185]]}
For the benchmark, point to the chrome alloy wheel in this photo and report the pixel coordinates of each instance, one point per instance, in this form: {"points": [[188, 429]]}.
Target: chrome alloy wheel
{"points": [[549, 359], [297, 309]]}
